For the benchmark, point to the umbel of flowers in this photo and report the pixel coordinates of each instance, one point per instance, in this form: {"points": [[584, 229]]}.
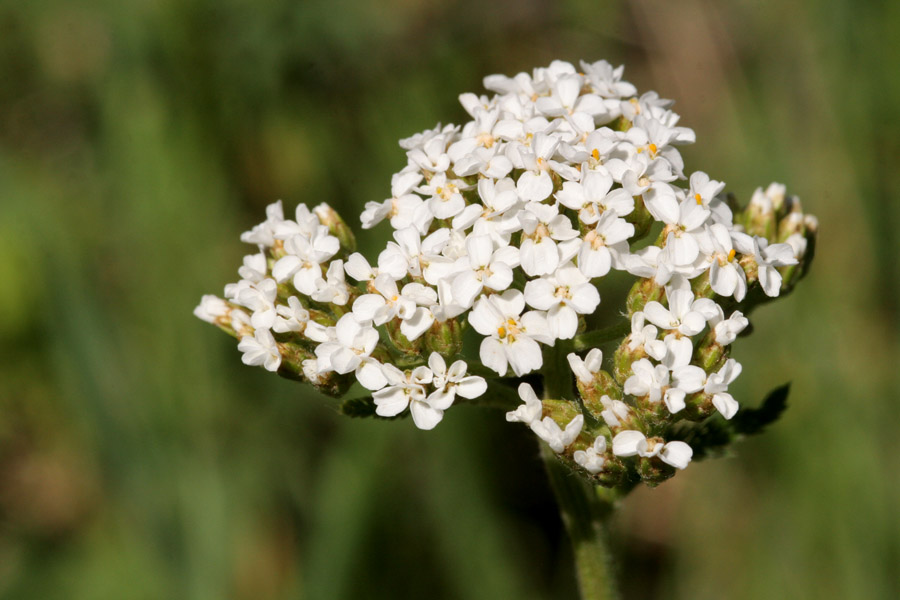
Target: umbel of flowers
{"points": [[504, 229]]}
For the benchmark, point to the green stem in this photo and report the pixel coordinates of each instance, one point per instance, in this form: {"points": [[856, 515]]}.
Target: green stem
{"points": [[584, 508], [585, 513], [592, 339]]}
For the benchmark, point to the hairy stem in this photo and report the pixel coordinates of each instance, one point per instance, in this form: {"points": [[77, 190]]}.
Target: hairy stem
{"points": [[584, 508], [585, 511]]}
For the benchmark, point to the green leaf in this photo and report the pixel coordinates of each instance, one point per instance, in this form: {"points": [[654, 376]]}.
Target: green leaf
{"points": [[365, 408], [706, 439], [753, 420], [358, 407]]}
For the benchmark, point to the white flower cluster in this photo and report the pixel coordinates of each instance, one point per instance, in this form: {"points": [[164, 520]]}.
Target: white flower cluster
{"points": [[508, 223]]}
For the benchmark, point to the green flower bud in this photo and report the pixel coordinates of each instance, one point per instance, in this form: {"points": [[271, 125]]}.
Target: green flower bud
{"points": [[591, 393], [445, 338], [653, 471], [642, 292], [641, 218], [400, 341]]}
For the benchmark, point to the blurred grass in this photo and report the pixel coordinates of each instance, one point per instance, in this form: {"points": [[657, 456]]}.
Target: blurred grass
{"points": [[140, 459]]}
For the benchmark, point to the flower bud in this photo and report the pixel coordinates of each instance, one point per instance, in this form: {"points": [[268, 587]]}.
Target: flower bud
{"points": [[591, 393], [445, 338], [336, 226], [292, 357], [654, 471], [698, 407], [759, 217], [642, 292], [710, 354], [400, 341], [641, 218]]}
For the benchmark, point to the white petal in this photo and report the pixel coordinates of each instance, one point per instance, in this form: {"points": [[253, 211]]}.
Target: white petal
{"points": [[417, 324], [585, 299], [674, 400], [493, 355], [534, 186], [676, 454], [391, 401], [370, 375], [471, 387], [689, 378], [563, 322], [725, 404], [524, 355], [627, 443], [424, 416]]}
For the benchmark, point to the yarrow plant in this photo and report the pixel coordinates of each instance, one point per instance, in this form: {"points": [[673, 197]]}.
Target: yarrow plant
{"points": [[504, 230]]}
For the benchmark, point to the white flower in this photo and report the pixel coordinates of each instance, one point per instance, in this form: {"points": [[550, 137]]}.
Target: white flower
{"points": [[254, 268], [386, 304], [593, 197], [726, 277], [556, 437], [607, 80], [353, 341], [768, 257], [260, 298], [644, 336], [635, 443], [292, 317], [717, 385], [264, 233], [543, 226], [410, 255], [446, 196], [448, 383], [407, 390], [303, 259], [684, 219], [260, 349], [512, 339], [529, 412], [686, 315], [592, 459], [615, 412], [647, 380], [483, 267], [399, 207], [727, 330], [535, 183], [585, 369], [332, 289], [704, 191], [565, 295], [211, 308], [604, 244]]}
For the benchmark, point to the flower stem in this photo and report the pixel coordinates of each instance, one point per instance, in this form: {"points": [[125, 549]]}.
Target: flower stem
{"points": [[585, 513], [584, 508], [592, 339]]}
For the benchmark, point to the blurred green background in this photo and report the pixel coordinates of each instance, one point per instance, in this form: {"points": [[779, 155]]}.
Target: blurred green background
{"points": [[140, 459]]}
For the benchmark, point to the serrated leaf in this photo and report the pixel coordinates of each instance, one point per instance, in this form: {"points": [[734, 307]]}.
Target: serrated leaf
{"points": [[362, 408], [706, 438], [358, 407], [751, 421]]}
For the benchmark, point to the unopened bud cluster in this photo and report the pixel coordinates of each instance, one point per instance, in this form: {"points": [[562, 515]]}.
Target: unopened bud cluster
{"points": [[506, 226]]}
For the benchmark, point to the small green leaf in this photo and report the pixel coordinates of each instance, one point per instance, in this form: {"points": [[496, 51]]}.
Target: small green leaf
{"points": [[358, 407], [753, 420], [706, 439], [364, 408]]}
